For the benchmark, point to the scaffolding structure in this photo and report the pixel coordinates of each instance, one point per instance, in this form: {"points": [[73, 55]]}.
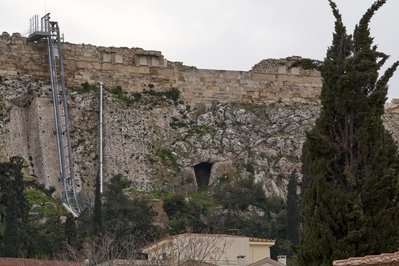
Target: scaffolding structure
{"points": [[50, 31]]}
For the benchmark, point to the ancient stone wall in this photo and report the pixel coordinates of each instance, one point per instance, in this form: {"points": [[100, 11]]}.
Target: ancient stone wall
{"points": [[41, 141], [243, 123], [17, 57], [135, 69], [26, 128]]}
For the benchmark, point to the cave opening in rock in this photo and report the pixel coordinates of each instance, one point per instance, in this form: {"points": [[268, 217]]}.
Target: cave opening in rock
{"points": [[202, 173]]}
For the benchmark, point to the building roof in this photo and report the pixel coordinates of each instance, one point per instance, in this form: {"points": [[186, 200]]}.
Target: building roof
{"points": [[263, 240], [168, 238], [266, 261], [391, 259], [36, 262], [196, 263]]}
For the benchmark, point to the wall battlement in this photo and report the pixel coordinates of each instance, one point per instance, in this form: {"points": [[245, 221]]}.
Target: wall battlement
{"points": [[135, 69]]}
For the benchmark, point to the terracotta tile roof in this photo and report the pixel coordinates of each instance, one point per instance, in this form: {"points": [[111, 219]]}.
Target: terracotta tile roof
{"points": [[389, 259], [36, 262]]}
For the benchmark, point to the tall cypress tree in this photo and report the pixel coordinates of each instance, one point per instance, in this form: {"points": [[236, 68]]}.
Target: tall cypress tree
{"points": [[293, 215], [350, 206]]}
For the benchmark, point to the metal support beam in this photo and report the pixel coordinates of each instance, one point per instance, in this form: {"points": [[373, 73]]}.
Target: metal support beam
{"points": [[101, 138]]}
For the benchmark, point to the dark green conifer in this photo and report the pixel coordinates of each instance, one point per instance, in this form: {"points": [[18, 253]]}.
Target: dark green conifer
{"points": [[15, 241], [70, 230], [97, 210], [351, 206], [293, 215], [127, 219]]}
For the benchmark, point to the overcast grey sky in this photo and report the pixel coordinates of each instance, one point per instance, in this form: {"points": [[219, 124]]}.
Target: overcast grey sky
{"points": [[214, 34]]}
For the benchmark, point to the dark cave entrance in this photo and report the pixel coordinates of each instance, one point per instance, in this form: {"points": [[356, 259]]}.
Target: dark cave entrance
{"points": [[202, 173]]}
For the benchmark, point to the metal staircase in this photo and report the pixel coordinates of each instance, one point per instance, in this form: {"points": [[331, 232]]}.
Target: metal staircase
{"points": [[50, 30]]}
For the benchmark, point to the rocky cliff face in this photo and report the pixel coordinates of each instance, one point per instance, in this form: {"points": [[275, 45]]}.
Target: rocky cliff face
{"points": [[159, 142], [156, 139]]}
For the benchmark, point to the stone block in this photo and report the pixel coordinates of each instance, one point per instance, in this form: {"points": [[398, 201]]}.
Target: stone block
{"points": [[282, 69], [166, 72], [263, 76], [138, 69], [118, 59], [96, 65], [84, 65], [142, 61], [107, 58], [295, 71], [155, 62]]}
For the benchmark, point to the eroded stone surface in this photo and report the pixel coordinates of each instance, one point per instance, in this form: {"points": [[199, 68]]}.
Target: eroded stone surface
{"points": [[155, 141], [242, 122]]}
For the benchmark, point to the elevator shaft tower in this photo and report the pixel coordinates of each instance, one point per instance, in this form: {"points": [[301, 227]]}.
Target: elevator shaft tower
{"points": [[49, 31]]}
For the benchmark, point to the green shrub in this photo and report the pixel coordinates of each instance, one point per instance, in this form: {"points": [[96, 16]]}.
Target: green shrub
{"points": [[176, 123], [123, 96], [49, 206], [249, 167], [172, 94], [86, 88], [137, 96], [167, 158], [116, 90], [35, 196]]}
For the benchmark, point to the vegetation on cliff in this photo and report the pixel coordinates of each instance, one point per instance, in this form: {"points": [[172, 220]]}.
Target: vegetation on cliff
{"points": [[29, 218], [122, 220], [126, 220], [350, 206], [350, 161]]}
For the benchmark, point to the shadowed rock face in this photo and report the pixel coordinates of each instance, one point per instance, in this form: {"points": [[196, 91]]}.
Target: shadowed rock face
{"points": [[202, 174]]}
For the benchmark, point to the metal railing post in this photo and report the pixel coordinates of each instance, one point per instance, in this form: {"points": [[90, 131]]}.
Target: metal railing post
{"points": [[101, 138]]}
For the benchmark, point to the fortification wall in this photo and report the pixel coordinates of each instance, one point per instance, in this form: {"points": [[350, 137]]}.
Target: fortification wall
{"points": [[135, 69], [156, 142], [26, 128], [17, 57], [41, 143]]}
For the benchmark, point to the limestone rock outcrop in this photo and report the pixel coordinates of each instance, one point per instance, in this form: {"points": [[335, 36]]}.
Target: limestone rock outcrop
{"points": [[157, 140]]}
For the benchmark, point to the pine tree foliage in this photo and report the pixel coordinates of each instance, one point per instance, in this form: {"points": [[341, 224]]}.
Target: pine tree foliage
{"points": [[351, 203], [127, 219], [16, 211]]}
